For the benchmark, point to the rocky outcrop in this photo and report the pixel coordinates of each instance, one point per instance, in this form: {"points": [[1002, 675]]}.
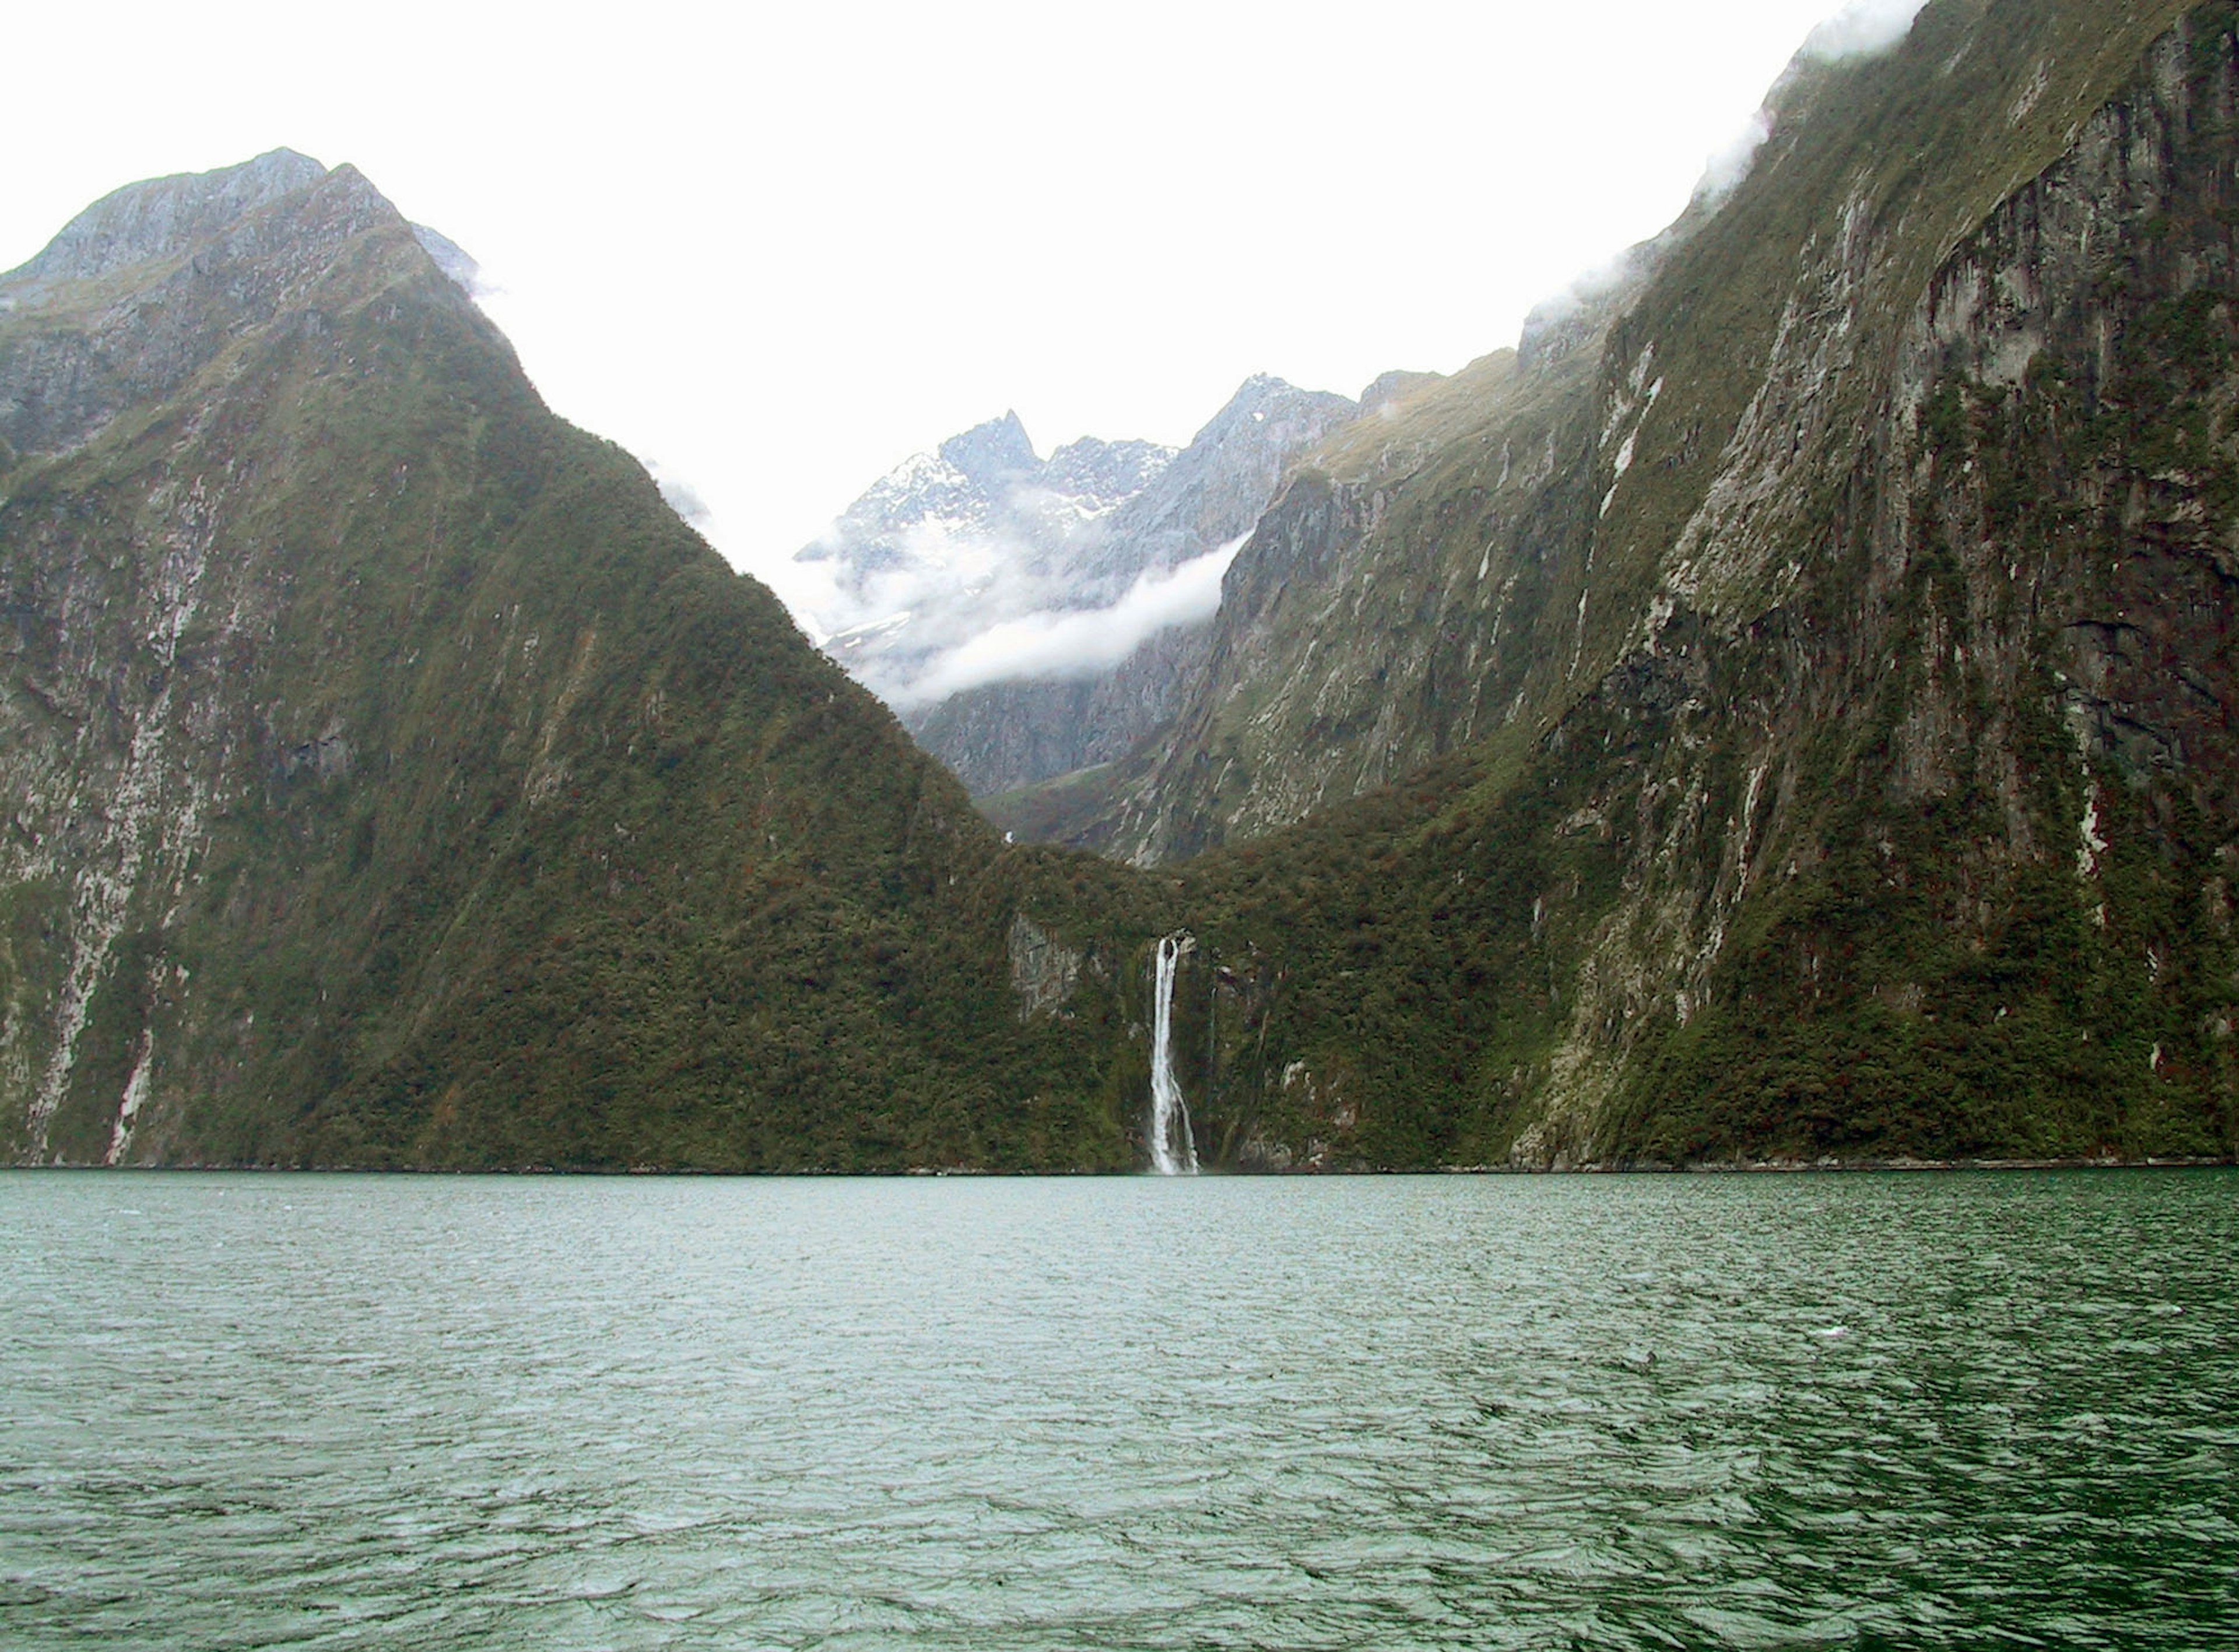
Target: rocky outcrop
{"points": [[1043, 973]]}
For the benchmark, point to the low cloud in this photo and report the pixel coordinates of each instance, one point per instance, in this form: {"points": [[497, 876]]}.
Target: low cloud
{"points": [[682, 498], [1863, 26], [947, 583], [1057, 644], [1723, 173], [1860, 29], [455, 262]]}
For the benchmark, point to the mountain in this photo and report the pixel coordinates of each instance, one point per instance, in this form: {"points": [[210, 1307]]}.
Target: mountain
{"points": [[393, 778], [1784, 709], [1781, 710], [1029, 618], [1021, 730], [951, 542]]}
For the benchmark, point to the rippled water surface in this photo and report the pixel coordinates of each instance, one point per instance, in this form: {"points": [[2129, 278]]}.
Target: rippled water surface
{"points": [[345, 1411]]}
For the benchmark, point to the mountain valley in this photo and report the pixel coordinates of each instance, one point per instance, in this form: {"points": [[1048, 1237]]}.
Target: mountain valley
{"points": [[1781, 711]]}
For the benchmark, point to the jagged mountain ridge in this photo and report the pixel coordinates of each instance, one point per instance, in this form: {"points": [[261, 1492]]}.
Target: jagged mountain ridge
{"points": [[950, 546], [1018, 732], [948, 540]]}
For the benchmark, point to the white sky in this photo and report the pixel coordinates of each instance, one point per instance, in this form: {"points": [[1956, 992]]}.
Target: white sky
{"points": [[775, 250]]}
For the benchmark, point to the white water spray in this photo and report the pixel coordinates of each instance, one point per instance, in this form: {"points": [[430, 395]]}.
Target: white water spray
{"points": [[1173, 1148]]}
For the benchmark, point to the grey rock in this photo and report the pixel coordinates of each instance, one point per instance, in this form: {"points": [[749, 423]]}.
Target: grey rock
{"points": [[1043, 973], [167, 271], [165, 215], [451, 258]]}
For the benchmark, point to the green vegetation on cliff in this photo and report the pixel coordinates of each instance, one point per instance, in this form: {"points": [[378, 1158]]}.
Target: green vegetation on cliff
{"points": [[1866, 787], [1782, 710], [395, 780]]}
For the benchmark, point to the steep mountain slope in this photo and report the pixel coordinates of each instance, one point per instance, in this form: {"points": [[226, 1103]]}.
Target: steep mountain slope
{"points": [[1494, 553], [1829, 647], [391, 778], [1782, 709]]}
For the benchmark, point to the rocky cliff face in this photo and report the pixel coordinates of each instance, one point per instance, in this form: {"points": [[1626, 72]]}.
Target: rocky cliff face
{"points": [[392, 779], [1792, 719]]}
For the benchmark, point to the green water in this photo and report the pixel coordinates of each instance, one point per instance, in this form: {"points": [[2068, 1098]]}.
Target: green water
{"points": [[550, 1414]]}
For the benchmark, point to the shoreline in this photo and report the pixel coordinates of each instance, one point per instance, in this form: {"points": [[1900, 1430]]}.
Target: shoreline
{"points": [[1706, 1167]]}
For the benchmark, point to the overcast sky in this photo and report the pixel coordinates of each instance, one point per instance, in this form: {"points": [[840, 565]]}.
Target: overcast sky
{"points": [[775, 250]]}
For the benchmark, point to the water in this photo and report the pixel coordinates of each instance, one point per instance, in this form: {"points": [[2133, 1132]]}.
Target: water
{"points": [[1894, 1411], [1174, 1144]]}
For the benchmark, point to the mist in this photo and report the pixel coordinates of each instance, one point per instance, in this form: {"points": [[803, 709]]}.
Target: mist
{"points": [[1863, 26], [1062, 644], [1861, 29]]}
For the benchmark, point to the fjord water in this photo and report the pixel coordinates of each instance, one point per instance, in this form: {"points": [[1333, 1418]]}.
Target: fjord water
{"points": [[341, 1411]]}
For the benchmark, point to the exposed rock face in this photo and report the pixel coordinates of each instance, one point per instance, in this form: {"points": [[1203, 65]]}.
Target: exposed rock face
{"points": [[164, 217], [1822, 667], [1338, 662], [1043, 973], [82, 345], [1216, 488], [451, 258], [1012, 735]]}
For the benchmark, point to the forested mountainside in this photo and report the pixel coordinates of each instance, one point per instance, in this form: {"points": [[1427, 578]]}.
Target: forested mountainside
{"points": [[391, 778], [1821, 657], [1782, 710]]}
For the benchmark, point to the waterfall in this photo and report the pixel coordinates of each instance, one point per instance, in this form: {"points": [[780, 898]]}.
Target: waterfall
{"points": [[1174, 1149]]}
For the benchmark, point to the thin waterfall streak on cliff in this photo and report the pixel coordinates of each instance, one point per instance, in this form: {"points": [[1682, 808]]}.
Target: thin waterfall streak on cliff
{"points": [[1174, 1145]]}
